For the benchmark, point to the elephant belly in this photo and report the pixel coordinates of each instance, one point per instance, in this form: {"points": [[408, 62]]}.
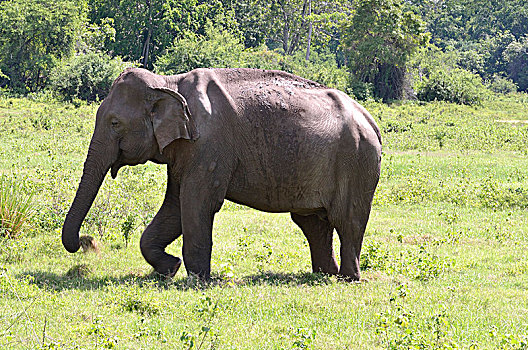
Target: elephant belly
{"points": [[284, 192]]}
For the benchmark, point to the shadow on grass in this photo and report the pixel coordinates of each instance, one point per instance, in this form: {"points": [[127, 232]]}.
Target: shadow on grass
{"points": [[79, 278], [279, 279], [60, 282]]}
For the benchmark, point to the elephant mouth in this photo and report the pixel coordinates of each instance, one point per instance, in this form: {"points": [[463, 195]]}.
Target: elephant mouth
{"points": [[119, 164], [115, 168]]}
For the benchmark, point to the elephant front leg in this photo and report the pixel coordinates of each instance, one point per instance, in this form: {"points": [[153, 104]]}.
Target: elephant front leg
{"points": [[200, 201], [162, 231]]}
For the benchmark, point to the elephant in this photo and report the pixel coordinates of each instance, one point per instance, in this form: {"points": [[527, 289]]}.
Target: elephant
{"points": [[266, 139]]}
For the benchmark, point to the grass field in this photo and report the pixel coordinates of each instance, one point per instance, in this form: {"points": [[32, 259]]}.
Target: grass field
{"points": [[444, 258]]}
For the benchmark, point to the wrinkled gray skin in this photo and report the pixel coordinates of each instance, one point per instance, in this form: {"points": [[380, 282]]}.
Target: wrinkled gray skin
{"points": [[266, 139]]}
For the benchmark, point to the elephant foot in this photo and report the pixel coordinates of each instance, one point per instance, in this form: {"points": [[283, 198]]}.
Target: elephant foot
{"points": [[355, 278], [170, 267], [329, 269]]}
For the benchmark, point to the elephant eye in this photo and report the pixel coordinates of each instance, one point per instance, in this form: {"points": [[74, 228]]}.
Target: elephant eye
{"points": [[115, 123]]}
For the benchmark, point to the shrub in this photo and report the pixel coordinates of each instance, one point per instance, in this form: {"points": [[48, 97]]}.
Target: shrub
{"points": [[501, 85], [15, 207], [456, 85], [87, 77], [219, 48], [321, 68]]}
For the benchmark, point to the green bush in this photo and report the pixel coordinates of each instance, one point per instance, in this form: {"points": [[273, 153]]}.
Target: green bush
{"points": [[456, 85], [87, 77], [321, 68], [219, 48], [501, 85]]}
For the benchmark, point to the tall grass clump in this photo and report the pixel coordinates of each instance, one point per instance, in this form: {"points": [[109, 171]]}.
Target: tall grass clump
{"points": [[15, 207]]}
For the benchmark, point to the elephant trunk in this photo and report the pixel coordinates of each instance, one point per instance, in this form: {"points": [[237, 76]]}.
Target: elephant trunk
{"points": [[95, 168]]}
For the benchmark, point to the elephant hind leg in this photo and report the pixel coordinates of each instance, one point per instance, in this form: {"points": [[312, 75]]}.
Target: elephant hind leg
{"points": [[351, 237], [350, 227], [319, 233]]}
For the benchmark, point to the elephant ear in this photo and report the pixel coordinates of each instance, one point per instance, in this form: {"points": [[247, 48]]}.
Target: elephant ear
{"points": [[171, 118]]}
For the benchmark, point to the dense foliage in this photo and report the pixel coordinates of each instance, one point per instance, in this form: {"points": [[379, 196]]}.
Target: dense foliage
{"points": [[34, 35], [387, 49], [380, 38], [86, 77]]}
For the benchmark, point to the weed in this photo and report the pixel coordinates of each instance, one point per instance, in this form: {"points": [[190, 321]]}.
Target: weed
{"points": [[439, 136], [373, 256], [134, 299], [79, 271], [451, 217], [127, 226], [304, 338], [422, 265], [517, 269], [401, 328], [416, 264], [263, 257], [12, 251], [508, 341], [103, 338], [42, 121], [494, 196], [133, 302], [227, 273], [144, 332], [206, 310]]}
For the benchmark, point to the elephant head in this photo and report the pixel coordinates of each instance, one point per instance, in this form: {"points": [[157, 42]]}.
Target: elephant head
{"points": [[135, 122]]}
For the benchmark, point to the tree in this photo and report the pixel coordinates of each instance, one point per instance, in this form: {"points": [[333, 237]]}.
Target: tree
{"points": [[145, 28], [379, 39], [303, 23], [516, 54], [34, 36], [253, 19], [291, 25], [278, 23], [456, 21]]}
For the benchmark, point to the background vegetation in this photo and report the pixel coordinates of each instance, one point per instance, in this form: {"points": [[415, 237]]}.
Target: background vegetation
{"points": [[453, 50]]}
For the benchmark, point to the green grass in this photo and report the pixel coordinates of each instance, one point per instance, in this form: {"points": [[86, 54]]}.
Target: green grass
{"points": [[444, 260]]}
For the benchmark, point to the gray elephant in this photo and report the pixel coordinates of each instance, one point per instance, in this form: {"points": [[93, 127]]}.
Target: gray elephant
{"points": [[266, 139]]}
